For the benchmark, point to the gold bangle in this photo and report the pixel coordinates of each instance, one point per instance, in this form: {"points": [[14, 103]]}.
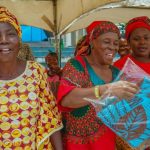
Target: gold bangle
{"points": [[96, 91]]}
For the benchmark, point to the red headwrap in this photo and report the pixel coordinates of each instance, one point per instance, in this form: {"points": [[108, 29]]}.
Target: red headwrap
{"points": [[97, 28], [94, 30], [138, 22]]}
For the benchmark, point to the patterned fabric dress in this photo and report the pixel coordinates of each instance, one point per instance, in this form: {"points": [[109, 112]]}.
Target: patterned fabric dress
{"points": [[54, 83], [83, 130], [28, 113]]}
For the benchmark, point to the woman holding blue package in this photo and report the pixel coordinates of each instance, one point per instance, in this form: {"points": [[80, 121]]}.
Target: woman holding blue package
{"points": [[89, 75]]}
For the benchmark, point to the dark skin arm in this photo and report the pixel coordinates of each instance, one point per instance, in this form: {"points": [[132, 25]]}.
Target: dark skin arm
{"points": [[70, 100], [56, 140], [75, 99]]}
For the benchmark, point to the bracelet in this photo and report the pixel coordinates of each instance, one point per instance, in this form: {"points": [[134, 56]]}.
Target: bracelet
{"points": [[96, 91]]}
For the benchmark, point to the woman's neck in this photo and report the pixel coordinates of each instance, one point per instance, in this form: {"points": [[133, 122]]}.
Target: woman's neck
{"points": [[9, 70], [141, 59], [96, 62]]}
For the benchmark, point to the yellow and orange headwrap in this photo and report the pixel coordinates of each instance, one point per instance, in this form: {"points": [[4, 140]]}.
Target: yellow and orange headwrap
{"points": [[6, 16]]}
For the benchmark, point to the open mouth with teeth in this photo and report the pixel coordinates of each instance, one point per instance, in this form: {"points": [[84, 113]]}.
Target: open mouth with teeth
{"points": [[142, 49], [5, 51], [109, 55]]}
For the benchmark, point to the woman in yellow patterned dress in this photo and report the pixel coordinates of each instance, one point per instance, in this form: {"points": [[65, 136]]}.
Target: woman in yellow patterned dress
{"points": [[28, 112]]}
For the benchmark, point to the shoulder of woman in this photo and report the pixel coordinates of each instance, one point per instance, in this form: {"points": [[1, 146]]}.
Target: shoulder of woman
{"points": [[76, 63], [123, 59], [120, 63], [36, 65]]}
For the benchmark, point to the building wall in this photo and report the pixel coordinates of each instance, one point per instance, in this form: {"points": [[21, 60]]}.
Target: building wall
{"points": [[33, 34]]}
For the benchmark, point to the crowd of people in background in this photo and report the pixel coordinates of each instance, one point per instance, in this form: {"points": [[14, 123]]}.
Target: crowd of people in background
{"points": [[44, 108]]}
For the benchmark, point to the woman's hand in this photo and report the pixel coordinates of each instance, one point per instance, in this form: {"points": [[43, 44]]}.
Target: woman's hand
{"points": [[122, 89]]}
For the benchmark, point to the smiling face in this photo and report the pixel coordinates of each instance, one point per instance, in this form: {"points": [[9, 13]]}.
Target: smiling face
{"points": [[124, 48], [53, 62], [105, 47], [140, 42], [9, 43]]}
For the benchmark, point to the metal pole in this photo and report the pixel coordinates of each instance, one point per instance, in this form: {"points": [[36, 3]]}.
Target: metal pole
{"points": [[55, 24], [57, 37], [60, 50]]}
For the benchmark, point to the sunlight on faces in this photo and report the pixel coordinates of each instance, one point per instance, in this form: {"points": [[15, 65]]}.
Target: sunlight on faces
{"points": [[140, 42], [9, 43], [105, 47]]}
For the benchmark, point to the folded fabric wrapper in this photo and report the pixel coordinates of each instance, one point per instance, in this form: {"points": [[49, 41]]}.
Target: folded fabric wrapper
{"points": [[130, 119]]}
